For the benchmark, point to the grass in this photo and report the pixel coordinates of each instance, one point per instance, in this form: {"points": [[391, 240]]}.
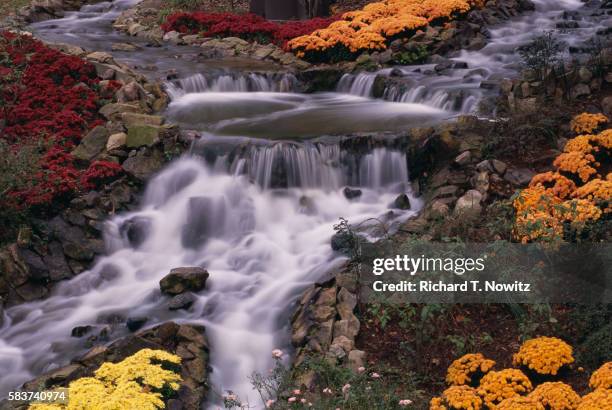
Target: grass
{"points": [[9, 6]]}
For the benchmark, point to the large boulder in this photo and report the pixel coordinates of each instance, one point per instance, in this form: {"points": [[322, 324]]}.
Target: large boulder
{"points": [[468, 206], [144, 164], [92, 144], [181, 280], [143, 135]]}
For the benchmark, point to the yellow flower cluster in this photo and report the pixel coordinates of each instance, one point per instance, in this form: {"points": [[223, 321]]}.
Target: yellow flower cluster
{"points": [[371, 27], [495, 387], [556, 396], [544, 355], [457, 398], [520, 403], [586, 122], [602, 377], [554, 198], [462, 370], [600, 399], [133, 383]]}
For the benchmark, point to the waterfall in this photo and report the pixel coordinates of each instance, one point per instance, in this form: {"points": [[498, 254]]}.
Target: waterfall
{"points": [[251, 82], [259, 219]]}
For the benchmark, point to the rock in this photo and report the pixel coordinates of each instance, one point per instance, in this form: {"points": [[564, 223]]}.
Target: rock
{"points": [[606, 105], [131, 119], [346, 303], [92, 144], [113, 111], [135, 323], [464, 158], [481, 182], [116, 141], [144, 164], [100, 57], [379, 86], [135, 230], [182, 301], [131, 92], [401, 202], [347, 327], [172, 36], [468, 206], [81, 331], [438, 210], [527, 105], [56, 262], [68, 49], [263, 52], [180, 280], [580, 90], [134, 29], [343, 242], [498, 166], [192, 39], [447, 191], [519, 176], [143, 135], [585, 74], [124, 47], [356, 359]]}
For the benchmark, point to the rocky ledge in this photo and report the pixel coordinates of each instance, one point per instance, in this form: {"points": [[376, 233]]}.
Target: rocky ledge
{"points": [[186, 341], [133, 136]]}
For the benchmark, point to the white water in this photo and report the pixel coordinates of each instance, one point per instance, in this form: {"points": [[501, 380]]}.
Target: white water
{"points": [[260, 219]]}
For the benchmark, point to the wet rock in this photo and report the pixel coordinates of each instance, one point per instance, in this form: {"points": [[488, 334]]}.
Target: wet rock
{"points": [[344, 242], [56, 262], [92, 144], [182, 301], [402, 202], [37, 269], [81, 331], [172, 36], [124, 47], [144, 164], [136, 230], [134, 29], [468, 206], [134, 119], [116, 141], [379, 86], [205, 218], [135, 323], [180, 280]]}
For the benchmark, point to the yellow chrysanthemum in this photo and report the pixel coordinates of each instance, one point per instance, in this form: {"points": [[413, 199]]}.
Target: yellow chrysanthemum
{"points": [[602, 377], [586, 122], [457, 398], [520, 403], [600, 399]]}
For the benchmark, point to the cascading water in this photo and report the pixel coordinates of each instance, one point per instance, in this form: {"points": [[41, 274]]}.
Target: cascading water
{"points": [[258, 215], [259, 220]]}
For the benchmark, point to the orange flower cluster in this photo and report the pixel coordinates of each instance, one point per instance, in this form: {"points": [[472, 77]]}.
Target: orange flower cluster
{"points": [[575, 194], [602, 377], [600, 399], [520, 403], [373, 26], [544, 355], [556, 396], [511, 389], [457, 398], [462, 370], [496, 387], [586, 122]]}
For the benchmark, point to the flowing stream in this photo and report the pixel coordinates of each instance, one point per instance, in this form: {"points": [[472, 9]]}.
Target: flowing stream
{"points": [[256, 200]]}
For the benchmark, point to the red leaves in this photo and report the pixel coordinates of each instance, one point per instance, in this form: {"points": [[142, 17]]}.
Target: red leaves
{"points": [[249, 27], [50, 99]]}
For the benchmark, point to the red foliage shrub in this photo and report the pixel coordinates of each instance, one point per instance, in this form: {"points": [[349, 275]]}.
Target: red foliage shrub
{"points": [[249, 27], [51, 99]]}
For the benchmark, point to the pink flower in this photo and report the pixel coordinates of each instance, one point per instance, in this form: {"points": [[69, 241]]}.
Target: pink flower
{"points": [[405, 402], [269, 403], [303, 400], [277, 353], [297, 392], [345, 388], [291, 399], [361, 369], [375, 375], [327, 390]]}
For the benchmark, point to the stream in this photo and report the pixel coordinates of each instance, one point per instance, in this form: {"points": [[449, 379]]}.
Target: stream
{"points": [[258, 219]]}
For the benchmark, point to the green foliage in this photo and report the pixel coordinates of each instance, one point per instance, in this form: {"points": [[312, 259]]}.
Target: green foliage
{"points": [[185, 4], [416, 56], [542, 54], [597, 348], [337, 387], [15, 166]]}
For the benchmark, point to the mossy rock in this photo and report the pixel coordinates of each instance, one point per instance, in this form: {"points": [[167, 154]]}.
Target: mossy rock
{"points": [[143, 135]]}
